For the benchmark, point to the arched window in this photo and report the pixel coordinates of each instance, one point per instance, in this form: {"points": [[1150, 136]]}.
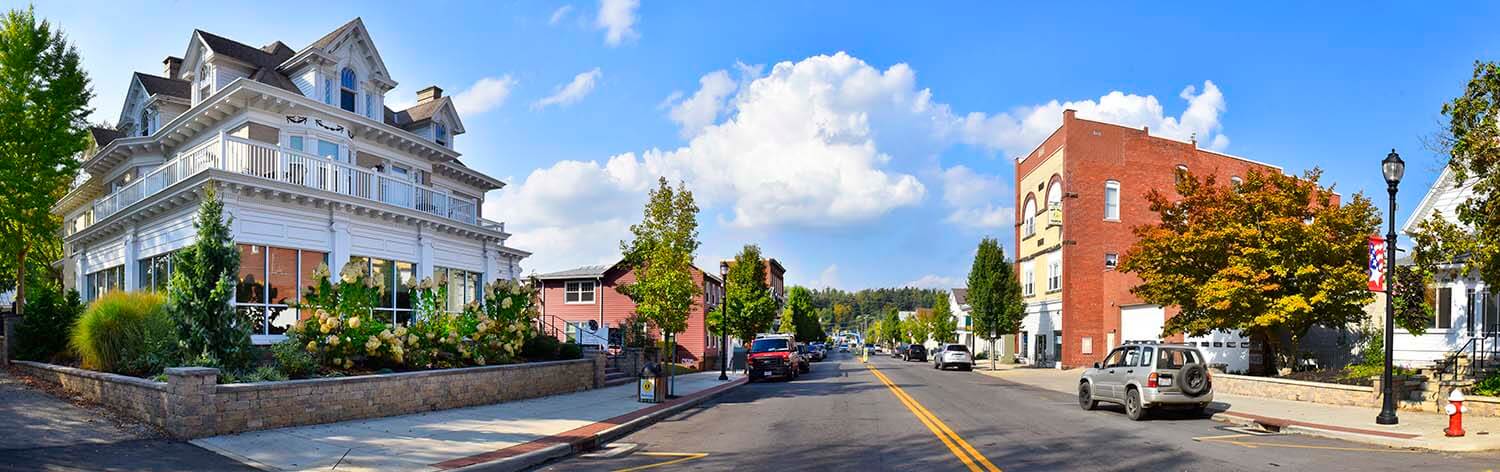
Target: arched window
{"points": [[1182, 173], [205, 86], [441, 135], [145, 121], [1236, 182], [1054, 194], [1028, 218], [348, 88]]}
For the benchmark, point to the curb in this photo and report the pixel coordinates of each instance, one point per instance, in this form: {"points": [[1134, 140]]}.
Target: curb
{"points": [[1286, 426], [589, 442]]}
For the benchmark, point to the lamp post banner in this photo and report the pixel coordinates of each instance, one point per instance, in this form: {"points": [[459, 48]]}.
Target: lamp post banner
{"points": [[1377, 263]]}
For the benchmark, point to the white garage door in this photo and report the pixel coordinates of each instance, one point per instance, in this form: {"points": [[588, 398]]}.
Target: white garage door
{"points": [[1141, 323]]}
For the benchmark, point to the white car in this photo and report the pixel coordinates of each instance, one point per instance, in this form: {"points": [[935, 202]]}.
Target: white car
{"points": [[952, 355]]}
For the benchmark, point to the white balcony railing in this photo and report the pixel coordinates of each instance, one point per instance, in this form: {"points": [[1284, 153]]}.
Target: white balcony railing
{"points": [[272, 163]]}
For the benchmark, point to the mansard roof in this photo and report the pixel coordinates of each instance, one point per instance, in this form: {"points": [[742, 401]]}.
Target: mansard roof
{"points": [[155, 85]]}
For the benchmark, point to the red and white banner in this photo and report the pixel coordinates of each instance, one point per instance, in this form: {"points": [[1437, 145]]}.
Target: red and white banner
{"points": [[1377, 264]]}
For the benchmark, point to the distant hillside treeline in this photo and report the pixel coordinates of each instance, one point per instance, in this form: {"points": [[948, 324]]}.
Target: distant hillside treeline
{"points": [[874, 300]]}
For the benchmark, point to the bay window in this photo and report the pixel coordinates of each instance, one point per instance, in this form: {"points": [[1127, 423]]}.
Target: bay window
{"points": [[271, 279], [98, 283], [464, 286], [154, 272]]}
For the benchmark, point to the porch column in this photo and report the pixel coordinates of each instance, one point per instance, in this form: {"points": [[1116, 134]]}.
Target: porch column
{"points": [[80, 260], [132, 268], [426, 263], [339, 235]]}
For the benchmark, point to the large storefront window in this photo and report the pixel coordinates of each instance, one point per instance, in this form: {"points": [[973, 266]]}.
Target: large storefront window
{"points": [[154, 272], [463, 286], [98, 283], [269, 282], [395, 294]]}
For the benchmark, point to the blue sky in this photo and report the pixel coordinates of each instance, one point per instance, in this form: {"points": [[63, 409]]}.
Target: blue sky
{"points": [[862, 144]]}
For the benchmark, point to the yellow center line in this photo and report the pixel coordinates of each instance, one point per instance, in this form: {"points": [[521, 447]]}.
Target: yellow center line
{"points": [[940, 429], [681, 457]]}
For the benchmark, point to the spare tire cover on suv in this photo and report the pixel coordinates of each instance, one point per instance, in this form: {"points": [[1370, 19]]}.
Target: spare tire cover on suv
{"points": [[1193, 379]]}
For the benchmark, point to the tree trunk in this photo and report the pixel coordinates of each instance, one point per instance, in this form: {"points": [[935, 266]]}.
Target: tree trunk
{"points": [[21, 279], [992, 353]]}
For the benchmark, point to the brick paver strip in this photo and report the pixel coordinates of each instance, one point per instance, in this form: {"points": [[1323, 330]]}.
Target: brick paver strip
{"points": [[577, 437], [1282, 422]]}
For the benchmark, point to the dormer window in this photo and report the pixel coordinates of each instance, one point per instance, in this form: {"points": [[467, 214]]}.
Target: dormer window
{"points": [[205, 86], [442, 135], [145, 122], [348, 88]]}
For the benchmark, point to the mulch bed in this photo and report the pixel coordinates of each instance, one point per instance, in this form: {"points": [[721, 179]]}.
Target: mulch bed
{"points": [[1333, 376]]}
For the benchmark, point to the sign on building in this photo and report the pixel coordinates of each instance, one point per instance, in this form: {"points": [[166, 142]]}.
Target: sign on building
{"points": [[1377, 263]]}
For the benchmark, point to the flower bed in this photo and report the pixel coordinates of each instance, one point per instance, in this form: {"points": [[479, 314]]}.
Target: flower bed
{"points": [[191, 403]]}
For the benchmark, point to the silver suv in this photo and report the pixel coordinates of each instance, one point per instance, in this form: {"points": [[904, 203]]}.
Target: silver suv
{"points": [[1144, 376]]}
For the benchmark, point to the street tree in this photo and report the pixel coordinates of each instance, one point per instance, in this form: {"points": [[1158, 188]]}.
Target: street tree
{"points": [[752, 309], [799, 314], [843, 315], [943, 326], [919, 326], [1274, 255], [891, 327], [661, 254], [44, 96], [1471, 143], [994, 298]]}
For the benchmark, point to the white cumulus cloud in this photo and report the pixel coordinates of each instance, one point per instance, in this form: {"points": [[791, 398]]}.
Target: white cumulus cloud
{"points": [[828, 278], [486, 94], [935, 281], [1018, 131], [974, 198], [573, 92], [617, 18], [559, 14], [701, 109]]}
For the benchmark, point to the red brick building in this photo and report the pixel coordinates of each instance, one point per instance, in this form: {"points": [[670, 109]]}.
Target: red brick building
{"points": [[1079, 195], [572, 298]]}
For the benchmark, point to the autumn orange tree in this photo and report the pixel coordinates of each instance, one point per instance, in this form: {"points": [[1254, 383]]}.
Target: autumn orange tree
{"points": [[1272, 256]]}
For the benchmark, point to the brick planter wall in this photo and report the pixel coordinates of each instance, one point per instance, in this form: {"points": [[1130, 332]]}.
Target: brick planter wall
{"points": [[191, 405]]}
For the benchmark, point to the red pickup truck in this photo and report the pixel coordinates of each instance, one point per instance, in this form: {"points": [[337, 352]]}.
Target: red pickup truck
{"points": [[776, 356]]}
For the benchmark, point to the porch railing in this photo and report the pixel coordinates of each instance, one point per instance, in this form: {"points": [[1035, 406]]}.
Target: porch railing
{"points": [[283, 165]]}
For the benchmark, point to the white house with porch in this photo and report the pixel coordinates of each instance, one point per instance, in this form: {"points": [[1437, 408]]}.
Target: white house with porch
{"points": [[311, 165], [1466, 314]]}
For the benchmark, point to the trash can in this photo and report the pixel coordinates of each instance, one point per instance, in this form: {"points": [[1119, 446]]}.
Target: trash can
{"points": [[652, 385]]}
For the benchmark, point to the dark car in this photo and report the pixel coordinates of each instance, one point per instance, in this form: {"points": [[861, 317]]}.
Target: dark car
{"points": [[914, 352], [897, 352], [775, 356]]}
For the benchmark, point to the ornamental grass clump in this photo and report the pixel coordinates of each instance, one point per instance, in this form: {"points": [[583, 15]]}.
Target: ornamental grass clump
{"points": [[125, 333]]}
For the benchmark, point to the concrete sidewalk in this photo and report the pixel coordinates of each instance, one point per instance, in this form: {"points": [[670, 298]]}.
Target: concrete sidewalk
{"points": [[1417, 429], [504, 436]]}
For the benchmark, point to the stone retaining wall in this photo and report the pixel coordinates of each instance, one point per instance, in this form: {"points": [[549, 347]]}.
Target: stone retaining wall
{"points": [[1415, 391], [191, 405]]}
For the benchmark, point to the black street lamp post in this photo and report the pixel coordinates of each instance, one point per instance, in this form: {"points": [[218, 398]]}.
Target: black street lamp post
{"points": [[724, 321], [1393, 168]]}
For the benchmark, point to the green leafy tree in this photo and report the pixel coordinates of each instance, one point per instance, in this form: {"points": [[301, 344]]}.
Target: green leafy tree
{"points": [[1272, 256], [799, 316], [890, 327], [210, 330], [752, 309], [994, 295], [917, 327], [943, 326], [661, 254], [44, 96], [1471, 142], [50, 315]]}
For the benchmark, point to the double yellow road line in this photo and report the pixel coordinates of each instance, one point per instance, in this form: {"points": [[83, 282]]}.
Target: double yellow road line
{"points": [[960, 448]]}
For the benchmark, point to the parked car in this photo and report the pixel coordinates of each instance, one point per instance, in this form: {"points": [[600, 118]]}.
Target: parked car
{"points": [[871, 348], [843, 348], [914, 352], [815, 353], [896, 353], [1145, 377], [775, 356], [952, 355]]}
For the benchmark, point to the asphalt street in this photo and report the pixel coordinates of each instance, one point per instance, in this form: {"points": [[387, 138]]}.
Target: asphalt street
{"points": [[845, 417]]}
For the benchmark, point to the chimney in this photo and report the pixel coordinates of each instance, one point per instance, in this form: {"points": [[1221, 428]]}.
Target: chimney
{"points": [[428, 94], [172, 66], [1068, 115]]}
